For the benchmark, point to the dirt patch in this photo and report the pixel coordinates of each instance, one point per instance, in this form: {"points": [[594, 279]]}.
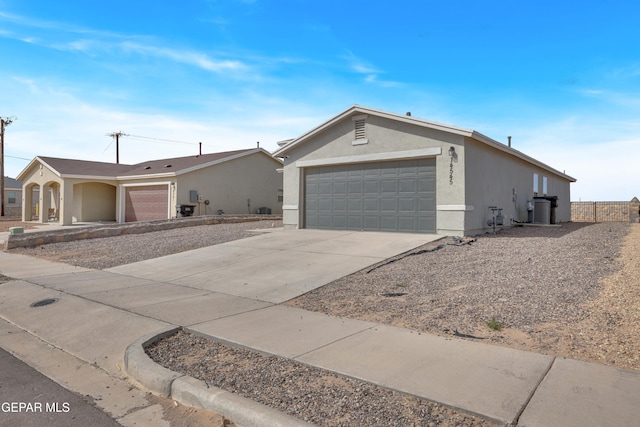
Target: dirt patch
{"points": [[185, 416], [311, 394], [570, 291]]}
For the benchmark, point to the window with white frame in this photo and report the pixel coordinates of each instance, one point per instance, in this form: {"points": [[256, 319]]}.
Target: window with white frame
{"points": [[544, 185], [11, 197], [535, 183]]}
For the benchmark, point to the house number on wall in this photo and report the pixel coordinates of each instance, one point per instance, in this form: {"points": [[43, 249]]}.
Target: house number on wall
{"points": [[451, 172]]}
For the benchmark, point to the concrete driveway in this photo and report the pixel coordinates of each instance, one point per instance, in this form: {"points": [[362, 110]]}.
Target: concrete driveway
{"points": [[276, 266]]}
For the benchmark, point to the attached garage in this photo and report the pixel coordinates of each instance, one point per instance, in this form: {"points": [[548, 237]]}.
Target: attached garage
{"points": [[371, 170], [146, 203], [380, 196]]}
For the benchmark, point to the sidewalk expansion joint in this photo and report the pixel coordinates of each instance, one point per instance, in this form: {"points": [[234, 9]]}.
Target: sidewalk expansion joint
{"points": [[516, 420], [333, 342]]}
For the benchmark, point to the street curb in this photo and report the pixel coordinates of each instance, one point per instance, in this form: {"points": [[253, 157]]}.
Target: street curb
{"points": [[192, 392], [144, 370]]}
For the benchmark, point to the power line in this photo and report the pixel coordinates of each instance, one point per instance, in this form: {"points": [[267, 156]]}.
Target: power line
{"points": [[150, 138], [19, 158]]}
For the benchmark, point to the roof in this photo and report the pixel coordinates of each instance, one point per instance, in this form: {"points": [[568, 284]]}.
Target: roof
{"points": [[11, 183], [71, 168], [289, 145]]}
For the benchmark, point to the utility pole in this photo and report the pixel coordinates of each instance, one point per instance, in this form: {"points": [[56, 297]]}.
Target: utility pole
{"points": [[117, 136], [3, 122]]}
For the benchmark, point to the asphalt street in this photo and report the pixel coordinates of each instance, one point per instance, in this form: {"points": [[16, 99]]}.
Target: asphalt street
{"points": [[28, 398]]}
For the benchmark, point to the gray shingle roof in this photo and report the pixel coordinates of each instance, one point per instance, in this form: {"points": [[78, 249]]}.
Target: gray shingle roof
{"points": [[172, 165]]}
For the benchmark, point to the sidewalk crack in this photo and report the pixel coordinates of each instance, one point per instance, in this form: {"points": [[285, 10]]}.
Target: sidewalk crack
{"points": [[516, 420]]}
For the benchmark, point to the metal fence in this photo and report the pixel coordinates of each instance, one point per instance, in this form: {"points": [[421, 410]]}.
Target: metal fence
{"points": [[606, 211]]}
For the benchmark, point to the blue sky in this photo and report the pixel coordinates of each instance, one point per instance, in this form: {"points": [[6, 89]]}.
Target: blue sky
{"points": [[562, 78]]}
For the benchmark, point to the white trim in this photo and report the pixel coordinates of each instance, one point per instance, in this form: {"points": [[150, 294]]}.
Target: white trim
{"points": [[394, 155], [289, 207], [359, 142], [465, 208], [145, 184]]}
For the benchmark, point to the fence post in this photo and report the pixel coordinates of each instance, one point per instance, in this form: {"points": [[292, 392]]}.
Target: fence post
{"points": [[634, 210]]}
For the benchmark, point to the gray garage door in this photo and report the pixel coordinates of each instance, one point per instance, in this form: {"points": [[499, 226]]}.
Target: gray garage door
{"points": [[383, 196]]}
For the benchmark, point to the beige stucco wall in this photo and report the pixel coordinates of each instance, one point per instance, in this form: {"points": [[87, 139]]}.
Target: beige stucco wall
{"points": [[497, 179], [46, 180], [94, 201], [386, 139], [237, 186]]}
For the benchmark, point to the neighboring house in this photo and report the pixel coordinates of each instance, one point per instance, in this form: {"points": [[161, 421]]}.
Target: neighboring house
{"points": [[367, 169], [233, 182], [12, 198]]}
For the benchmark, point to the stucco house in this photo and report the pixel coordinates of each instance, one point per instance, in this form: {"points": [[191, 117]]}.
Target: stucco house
{"points": [[12, 197], [233, 182], [366, 169]]}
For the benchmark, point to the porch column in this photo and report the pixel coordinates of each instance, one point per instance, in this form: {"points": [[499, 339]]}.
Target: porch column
{"points": [[66, 203]]}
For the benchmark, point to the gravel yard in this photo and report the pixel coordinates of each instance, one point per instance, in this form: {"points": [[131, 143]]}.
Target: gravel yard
{"points": [[128, 248], [570, 291], [531, 288]]}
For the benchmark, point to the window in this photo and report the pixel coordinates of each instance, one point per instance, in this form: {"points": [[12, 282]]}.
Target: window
{"points": [[544, 185], [280, 195], [360, 134], [11, 196], [535, 183]]}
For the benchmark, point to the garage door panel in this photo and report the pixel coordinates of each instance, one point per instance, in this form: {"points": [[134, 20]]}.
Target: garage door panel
{"points": [[407, 223], [146, 203], [426, 184], [355, 187], [426, 204], [389, 186], [387, 196], [371, 222], [338, 221], [324, 188], [427, 222], [407, 186], [371, 188], [339, 188], [354, 205], [354, 222], [371, 205], [388, 223], [407, 204], [340, 205]]}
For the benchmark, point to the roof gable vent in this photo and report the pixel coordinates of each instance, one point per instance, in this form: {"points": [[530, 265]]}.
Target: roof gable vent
{"points": [[360, 130]]}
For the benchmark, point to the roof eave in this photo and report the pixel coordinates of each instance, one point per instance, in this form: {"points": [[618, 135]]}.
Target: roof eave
{"points": [[281, 152], [226, 159], [512, 151]]}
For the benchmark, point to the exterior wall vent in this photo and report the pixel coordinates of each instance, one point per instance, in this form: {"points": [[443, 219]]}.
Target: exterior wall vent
{"points": [[360, 134]]}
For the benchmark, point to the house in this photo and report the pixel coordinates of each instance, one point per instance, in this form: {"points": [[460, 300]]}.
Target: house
{"points": [[367, 169], [12, 198], [233, 182]]}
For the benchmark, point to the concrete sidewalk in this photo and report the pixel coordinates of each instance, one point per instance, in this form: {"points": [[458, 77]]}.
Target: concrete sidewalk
{"points": [[231, 292]]}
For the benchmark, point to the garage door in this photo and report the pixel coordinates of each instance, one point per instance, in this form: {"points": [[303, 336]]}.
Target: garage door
{"points": [[383, 196], [146, 203]]}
